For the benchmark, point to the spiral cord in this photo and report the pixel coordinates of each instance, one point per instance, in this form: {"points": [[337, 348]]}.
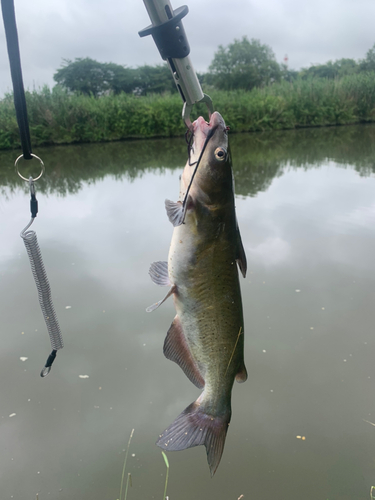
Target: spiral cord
{"points": [[42, 284]]}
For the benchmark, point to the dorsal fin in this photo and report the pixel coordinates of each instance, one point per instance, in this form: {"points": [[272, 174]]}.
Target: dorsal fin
{"points": [[176, 349]]}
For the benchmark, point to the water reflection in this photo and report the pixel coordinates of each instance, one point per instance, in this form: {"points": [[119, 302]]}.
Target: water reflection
{"points": [[309, 234], [258, 158]]}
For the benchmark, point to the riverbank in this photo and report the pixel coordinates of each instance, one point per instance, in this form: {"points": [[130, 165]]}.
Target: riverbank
{"points": [[56, 117]]}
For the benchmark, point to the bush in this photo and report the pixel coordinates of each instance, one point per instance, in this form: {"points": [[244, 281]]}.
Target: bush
{"points": [[58, 117]]}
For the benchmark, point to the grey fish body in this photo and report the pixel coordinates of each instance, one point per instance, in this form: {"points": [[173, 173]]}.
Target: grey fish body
{"points": [[206, 336], [202, 265]]}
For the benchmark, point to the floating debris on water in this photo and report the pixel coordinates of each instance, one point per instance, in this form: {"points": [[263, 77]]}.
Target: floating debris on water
{"points": [[23, 358], [68, 307], [83, 376], [297, 291], [301, 437], [12, 415]]}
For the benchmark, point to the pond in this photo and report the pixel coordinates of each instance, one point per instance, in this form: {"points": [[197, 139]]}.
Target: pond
{"points": [[303, 425]]}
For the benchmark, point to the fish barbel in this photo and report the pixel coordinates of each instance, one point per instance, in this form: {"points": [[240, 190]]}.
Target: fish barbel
{"points": [[206, 335]]}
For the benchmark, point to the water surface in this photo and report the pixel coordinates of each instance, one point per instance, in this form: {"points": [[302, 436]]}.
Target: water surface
{"points": [[306, 210]]}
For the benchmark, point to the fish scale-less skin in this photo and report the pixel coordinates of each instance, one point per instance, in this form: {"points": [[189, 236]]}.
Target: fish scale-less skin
{"points": [[208, 299]]}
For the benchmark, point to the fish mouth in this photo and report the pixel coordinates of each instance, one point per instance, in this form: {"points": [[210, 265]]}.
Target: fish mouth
{"points": [[200, 124], [202, 129]]}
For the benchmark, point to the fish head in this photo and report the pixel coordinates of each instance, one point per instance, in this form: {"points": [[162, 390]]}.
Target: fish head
{"points": [[213, 177]]}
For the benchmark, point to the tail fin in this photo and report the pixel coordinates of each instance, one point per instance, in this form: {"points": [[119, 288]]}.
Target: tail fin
{"points": [[193, 427]]}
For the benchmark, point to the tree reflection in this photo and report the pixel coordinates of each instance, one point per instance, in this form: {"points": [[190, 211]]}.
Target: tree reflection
{"points": [[257, 158]]}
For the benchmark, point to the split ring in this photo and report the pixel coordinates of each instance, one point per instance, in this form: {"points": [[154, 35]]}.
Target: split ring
{"points": [[24, 178]]}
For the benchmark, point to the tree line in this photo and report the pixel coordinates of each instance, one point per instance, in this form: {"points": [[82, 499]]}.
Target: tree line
{"points": [[243, 64]]}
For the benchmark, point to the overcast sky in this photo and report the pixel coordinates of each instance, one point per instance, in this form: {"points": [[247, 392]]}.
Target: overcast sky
{"points": [[107, 30]]}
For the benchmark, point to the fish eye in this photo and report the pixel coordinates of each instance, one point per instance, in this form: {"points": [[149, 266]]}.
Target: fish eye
{"points": [[220, 154]]}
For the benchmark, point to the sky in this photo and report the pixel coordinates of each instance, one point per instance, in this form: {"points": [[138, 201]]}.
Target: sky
{"points": [[107, 31]]}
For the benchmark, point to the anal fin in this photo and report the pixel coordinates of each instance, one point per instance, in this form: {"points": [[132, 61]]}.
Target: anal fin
{"points": [[176, 349]]}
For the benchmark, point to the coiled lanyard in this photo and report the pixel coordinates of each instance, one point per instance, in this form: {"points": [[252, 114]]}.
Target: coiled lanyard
{"points": [[29, 237]]}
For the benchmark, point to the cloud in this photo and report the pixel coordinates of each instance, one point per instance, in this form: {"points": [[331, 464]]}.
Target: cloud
{"points": [[308, 32], [271, 252]]}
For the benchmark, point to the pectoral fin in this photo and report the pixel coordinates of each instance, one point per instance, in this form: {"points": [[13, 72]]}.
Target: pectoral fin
{"points": [[159, 273], [157, 304], [176, 349], [241, 257], [176, 212]]}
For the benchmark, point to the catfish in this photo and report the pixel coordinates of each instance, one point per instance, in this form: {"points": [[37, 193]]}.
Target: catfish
{"points": [[206, 338]]}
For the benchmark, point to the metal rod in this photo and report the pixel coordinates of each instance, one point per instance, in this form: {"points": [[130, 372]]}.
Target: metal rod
{"points": [[184, 75]]}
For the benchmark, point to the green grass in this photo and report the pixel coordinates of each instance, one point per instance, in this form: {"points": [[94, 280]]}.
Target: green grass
{"points": [[129, 480], [57, 117], [129, 477], [166, 476]]}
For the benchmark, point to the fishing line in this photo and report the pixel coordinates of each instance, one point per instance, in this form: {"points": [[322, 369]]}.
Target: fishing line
{"points": [[189, 136], [209, 136], [177, 211], [234, 348]]}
